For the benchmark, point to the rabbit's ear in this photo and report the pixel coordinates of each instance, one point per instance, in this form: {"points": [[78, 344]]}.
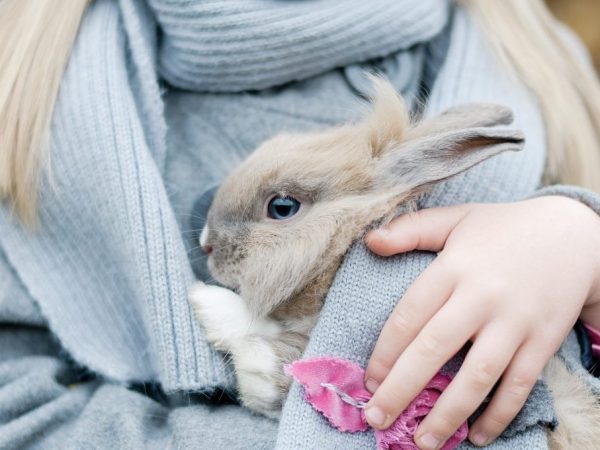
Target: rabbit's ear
{"points": [[389, 120], [468, 115], [443, 152]]}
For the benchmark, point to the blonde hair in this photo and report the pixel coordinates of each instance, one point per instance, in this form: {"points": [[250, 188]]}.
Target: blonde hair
{"points": [[36, 37]]}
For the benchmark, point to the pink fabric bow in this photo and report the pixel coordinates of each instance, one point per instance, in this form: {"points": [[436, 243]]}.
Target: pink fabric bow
{"points": [[335, 388]]}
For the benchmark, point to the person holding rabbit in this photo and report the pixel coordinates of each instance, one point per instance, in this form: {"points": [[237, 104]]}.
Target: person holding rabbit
{"points": [[116, 116]]}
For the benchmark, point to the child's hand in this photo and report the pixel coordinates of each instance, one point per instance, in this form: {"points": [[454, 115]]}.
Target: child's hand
{"points": [[511, 278]]}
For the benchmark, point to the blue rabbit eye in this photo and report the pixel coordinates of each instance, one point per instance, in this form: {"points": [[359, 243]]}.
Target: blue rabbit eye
{"points": [[282, 208]]}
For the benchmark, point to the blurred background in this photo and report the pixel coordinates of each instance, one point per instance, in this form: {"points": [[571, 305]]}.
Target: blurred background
{"points": [[584, 17]]}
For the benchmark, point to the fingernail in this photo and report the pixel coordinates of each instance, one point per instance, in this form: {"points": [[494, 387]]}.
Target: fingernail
{"points": [[375, 416], [429, 442], [371, 385], [479, 438]]}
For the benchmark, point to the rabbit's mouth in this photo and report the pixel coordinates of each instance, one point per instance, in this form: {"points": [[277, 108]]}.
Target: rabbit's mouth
{"points": [[223, 259]]}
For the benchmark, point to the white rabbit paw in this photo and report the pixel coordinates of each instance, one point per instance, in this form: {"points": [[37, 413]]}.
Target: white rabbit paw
{"points": [[223, 314], [249, 341], [262, 385]]}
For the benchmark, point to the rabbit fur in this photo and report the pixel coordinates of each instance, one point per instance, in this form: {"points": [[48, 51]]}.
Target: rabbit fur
{"points": [[346, 178]]}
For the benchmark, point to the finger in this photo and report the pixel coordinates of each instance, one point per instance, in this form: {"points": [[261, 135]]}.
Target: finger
{"points": [[426, 229], [421, 301], [439, 340], [516, 384], [487, 359]]}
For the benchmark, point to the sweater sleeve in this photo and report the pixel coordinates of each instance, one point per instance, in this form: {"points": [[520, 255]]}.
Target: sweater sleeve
{"points": [[585, 196]]}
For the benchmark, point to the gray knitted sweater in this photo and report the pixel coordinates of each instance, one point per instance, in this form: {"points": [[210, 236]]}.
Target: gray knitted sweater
{"points": [[93, 304]]}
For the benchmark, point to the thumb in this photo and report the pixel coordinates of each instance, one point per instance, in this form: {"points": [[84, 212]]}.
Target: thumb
{"points": [[427, 229]]}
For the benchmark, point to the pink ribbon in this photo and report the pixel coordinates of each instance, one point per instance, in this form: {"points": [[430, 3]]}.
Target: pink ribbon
{"points": [[335, 388]]}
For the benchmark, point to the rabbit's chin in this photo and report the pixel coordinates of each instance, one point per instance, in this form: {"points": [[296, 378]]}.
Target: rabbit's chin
{"points": [[222, 277]]}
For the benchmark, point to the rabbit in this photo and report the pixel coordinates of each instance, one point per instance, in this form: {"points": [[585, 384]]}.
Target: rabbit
{"points": [[281, 223]]}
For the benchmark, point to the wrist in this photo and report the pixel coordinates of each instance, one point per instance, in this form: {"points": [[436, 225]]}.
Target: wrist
{"points": [[586, 223]]}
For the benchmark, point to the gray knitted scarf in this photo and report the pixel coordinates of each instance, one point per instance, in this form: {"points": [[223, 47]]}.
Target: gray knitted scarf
{"points": [[108, 266]]}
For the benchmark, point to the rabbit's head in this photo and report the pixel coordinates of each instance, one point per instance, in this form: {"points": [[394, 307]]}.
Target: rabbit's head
{"points": [[290, 211]]}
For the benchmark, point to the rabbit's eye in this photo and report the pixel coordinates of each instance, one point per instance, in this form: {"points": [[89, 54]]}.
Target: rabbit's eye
{"points": [[282, 208]]}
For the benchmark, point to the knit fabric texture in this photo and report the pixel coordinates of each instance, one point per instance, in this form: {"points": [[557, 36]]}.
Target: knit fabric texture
{"points": [[108, 269]]}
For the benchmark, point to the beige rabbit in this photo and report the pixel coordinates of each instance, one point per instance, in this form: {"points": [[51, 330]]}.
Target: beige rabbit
{"points": [[281, 223]]}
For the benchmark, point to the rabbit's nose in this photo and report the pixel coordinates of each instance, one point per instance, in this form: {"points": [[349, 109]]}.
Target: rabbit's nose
{"points": [[206, 248]]}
